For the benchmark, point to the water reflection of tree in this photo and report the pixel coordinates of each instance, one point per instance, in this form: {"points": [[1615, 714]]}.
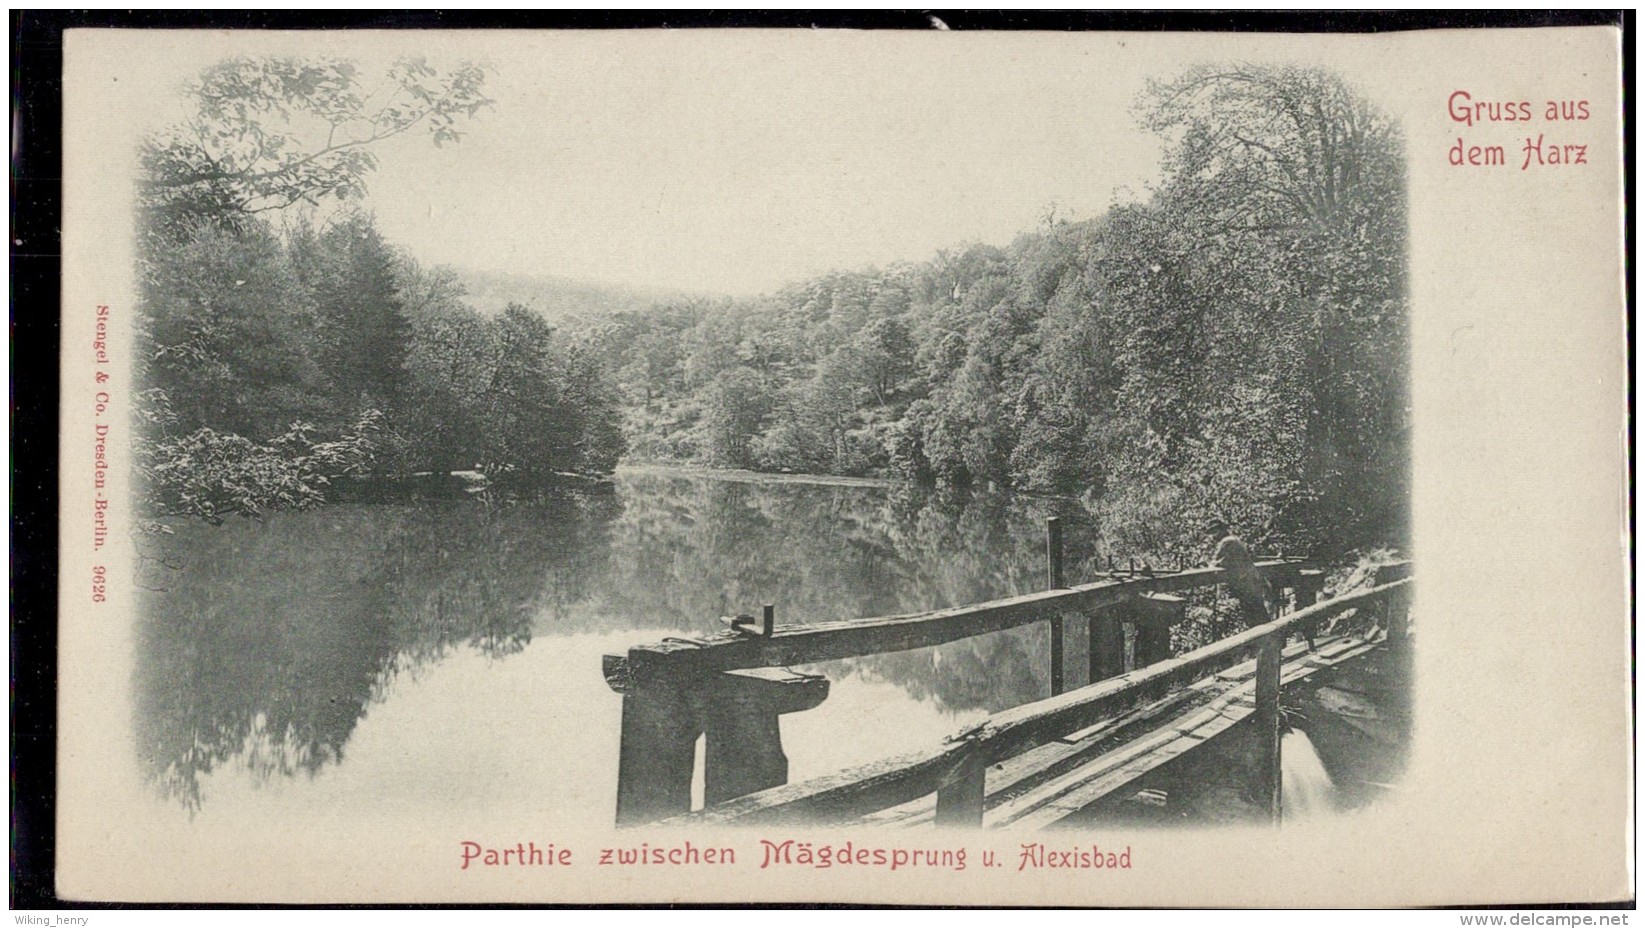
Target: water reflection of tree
{"points": [[264, 643], [267, 642], [688, 550]]}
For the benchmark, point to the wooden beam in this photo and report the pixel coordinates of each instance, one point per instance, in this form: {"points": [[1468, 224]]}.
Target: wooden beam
{"points": [[735, 711], [1194, 713], [1269, 786], [1154, 615], [1106, 646], [1393, 571], [1310, 583], [845, 795], [1017, 730], [1053, 553], [773, 690], [828, 641], [1158, 609], [742, 754], [1058, 672], [1054, 581], [1009, 782], [856, 792], [1076, 787], [656, 754], [960, 800]]}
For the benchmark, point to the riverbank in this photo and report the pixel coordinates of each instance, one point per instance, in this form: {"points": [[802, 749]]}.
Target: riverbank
{"points": [[754, 477]]}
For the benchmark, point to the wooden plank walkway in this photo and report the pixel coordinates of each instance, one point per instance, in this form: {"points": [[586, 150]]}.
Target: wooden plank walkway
{"points": [[1039, 761], [1162, 710], [1041, 787]]}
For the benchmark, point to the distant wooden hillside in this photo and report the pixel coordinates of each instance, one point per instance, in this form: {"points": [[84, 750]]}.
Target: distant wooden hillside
{"points": [[557, 297]]}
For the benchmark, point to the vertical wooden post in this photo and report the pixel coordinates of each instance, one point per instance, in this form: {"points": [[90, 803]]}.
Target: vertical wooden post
{"points": [[1403, 654], [1053, 553], [735, 711], [1310, 581], [1154, 615], [738, 713], [1399, 639], [1058, 681], [960, 801], [1107, 646], [1153, 643], [1394, 609], [1053, 581], [1076, 645], [1399, 619], [743, 754], [1269, 786], [1282, 581], [657, 755]]}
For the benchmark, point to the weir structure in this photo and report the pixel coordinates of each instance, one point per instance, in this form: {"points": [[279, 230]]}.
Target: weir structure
{"points": [[1108, 721]]}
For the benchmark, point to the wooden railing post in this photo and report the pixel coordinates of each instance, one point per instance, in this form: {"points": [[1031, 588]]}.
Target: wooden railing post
{"points": [[1400, 640], [1154, 615], [1399, 636], [960, 799], [1310, 581], [1053, 553], [1054, 581], [1106, 646], [736, 713], [657, 754], [743, 743], [1399, 620], [957, 771], [742, 753], [1267, 717], [1395, 609], [1058, 683]]}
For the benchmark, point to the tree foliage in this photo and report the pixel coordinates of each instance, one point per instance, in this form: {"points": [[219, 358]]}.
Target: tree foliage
{"points": [[277, 358], [268, 133], [1235, 345]]}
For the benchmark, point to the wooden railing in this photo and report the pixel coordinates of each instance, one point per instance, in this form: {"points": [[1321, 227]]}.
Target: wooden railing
{"points": [[729, 689], [807, 643], [956, 770]]}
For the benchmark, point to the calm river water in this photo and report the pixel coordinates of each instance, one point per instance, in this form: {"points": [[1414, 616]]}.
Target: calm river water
{"points": [[390, 659]]}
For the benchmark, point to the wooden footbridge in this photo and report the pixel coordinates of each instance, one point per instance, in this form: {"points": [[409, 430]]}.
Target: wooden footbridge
{"points": [[1027, 767]]}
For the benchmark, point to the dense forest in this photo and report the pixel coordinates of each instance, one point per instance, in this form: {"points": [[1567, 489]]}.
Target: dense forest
{"points": [[1233, 345], [279, 352]]}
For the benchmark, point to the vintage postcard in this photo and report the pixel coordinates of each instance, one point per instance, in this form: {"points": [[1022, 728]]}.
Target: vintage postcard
{"points": [[829, 466]]}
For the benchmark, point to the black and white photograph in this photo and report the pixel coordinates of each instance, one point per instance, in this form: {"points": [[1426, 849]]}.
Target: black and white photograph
{"points": [[827, 465]]}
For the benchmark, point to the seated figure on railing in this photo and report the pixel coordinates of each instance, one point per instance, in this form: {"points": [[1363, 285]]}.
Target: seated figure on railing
{"points": [[1256, 598]]}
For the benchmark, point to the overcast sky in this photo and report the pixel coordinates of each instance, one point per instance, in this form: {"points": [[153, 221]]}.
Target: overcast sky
{"points": [[672, 161], [735, 162]]}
